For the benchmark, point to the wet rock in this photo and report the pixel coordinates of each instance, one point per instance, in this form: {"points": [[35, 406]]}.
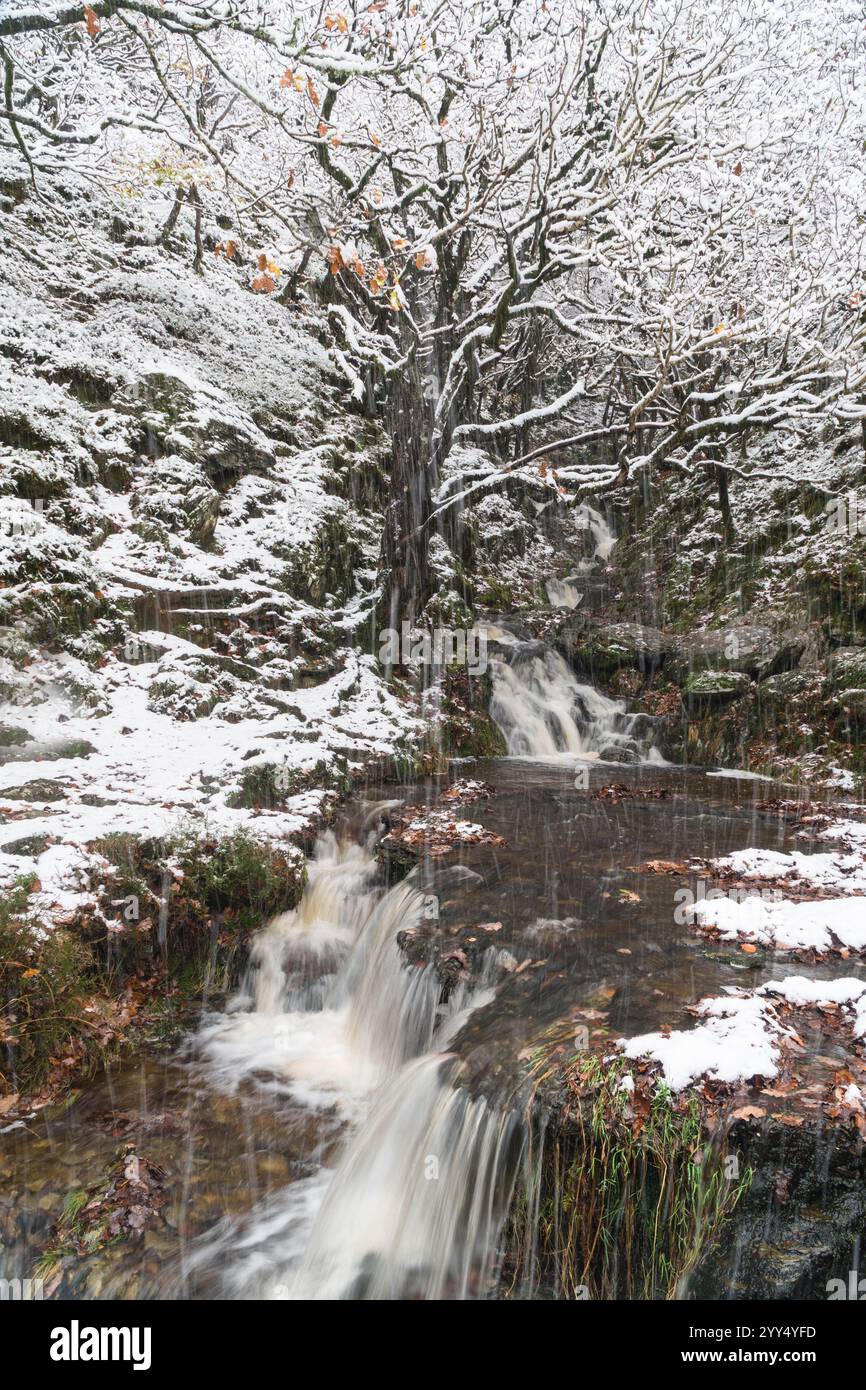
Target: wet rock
{"points": [[756, 651], [600, 650], [706, 690], [790, 1243]]}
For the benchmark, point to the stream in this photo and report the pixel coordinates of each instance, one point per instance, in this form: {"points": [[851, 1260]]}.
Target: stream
{"points": [[345, 1127]]}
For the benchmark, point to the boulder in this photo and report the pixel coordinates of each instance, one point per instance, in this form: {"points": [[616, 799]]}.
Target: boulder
{"points": [[602, 649], [707, 690], [846, 669], [756, 651], [850, 702]]}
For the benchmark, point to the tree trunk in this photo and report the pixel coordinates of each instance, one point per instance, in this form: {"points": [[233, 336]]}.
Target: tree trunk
{"points": [[404, 558]]}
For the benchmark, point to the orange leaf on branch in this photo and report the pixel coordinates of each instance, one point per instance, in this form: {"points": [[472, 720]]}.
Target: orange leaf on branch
{"points": [[91, 20]]}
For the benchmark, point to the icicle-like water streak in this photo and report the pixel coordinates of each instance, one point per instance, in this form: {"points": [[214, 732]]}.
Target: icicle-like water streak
{"points": [[603, 537], [543, 710]]}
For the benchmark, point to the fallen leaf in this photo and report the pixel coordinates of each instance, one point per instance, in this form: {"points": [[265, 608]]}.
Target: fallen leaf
{"points": [[748, 1112]]}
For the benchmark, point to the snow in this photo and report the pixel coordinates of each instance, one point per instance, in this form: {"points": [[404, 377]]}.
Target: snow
{"points": [[837, 872], [852, 833], [158, 774], [768, 918], [849, 993], [741, 1035], [150, 401], [738, 774], [737, 1041], [787, 925]]}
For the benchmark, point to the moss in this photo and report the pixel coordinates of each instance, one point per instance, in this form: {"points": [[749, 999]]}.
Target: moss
{"points": [[495, 594], [846, 669], [709, 685], [241, 879], [267, 785], [466, 729]]}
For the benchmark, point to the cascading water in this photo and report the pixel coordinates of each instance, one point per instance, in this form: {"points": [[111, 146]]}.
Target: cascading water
{"points": [[328, 1010], [543, 711], [572, 591], [603, 537], [539, 705], [561, 593], [332, 1015], [417, 1205]]}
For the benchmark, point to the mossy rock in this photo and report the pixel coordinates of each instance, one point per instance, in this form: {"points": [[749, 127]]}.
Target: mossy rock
{"points": [[40, 789], [848, 702], [602, 650], [12, 736], [466, 729], [268, 785], [705, 690], [846, 669], [756, 651], [244, 880]]}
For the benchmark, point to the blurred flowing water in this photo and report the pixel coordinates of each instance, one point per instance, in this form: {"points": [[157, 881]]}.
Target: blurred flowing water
{"points": [[341, 1129]]}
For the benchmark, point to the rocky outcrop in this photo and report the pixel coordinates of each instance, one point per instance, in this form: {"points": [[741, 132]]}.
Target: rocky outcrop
{"points": [[706, 690], [600, 649], [755, 651]]}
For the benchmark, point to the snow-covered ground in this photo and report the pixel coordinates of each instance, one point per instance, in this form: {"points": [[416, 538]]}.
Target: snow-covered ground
{"points": [[741, 1033], [183, 573], [767, 917]]}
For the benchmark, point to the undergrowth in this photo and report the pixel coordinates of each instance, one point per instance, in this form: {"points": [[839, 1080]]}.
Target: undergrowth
{"points": [[627, 1204]]}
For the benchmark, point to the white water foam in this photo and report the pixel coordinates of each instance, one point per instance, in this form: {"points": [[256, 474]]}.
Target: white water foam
{"points": [[332, 1015], [543, 711]]}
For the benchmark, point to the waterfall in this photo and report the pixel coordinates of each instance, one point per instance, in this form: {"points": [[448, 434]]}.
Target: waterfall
{"points": [[540, 707], [561, 593], [603, 537], [422, 1186], [543, 710], [417, 1205], [571, 591], [328, 1010]]}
